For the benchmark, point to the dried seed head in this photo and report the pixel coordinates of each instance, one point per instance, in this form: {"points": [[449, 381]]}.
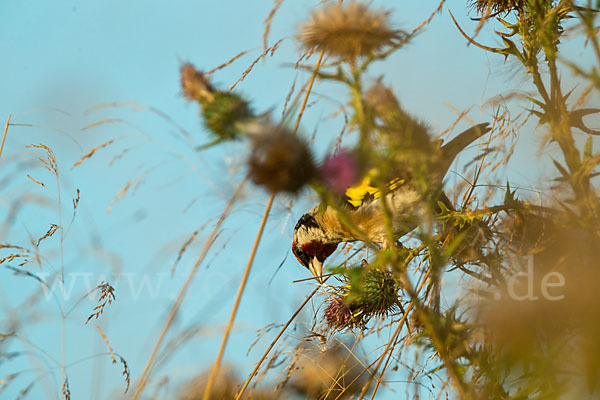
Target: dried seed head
{"points": [[348, 30], [338, 314], [335, 372], [280, 160], [195, 85], [225, 386], [484, 7], [222, 111]]}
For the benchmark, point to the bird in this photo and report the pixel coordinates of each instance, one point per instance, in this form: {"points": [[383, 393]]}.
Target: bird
{"points": [[319, 231]]}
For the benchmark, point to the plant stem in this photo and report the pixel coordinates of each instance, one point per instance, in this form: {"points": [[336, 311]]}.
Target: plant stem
{"points": [[4, 136], [215, 368], [264, 356], [236, 304], [175, 308]]}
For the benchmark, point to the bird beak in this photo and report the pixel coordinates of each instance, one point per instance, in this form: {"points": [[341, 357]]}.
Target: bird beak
{"points": [[316, 267]]}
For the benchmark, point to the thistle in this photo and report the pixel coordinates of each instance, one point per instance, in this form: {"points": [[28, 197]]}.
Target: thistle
{"points": [[280, 161], [379, 293], [367, 294], [341, 171], [496, 6], [338, 314], [223, 112], [348, 30]]}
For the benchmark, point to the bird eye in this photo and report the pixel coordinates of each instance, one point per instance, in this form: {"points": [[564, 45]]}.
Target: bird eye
{"points": [[301, 255]]}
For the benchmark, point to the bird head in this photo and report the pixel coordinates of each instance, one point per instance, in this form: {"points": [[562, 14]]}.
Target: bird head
{"points": [[312, 245]]}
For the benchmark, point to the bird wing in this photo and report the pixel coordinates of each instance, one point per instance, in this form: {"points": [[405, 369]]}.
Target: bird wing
{"points": [[364, 192]]}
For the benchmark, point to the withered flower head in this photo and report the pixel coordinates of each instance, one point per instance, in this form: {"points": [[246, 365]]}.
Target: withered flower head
{"points": [[369, 293], [338, 314], [225, 386], [222, 111], [195, 85], [496, 6], [347, 30], [280, 160], [327, 374]]}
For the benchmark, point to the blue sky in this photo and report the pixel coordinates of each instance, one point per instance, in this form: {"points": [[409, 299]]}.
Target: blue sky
{"points": [[62, 59]]}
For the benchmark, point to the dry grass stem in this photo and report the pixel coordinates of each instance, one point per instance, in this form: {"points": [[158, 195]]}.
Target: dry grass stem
{"points": [[107, 296], [268, 22], [264, 54], [36, 181], [274, 342], [53, 228], [183, 249], [215, 368], [4, 135], [175, 308], [92, 152], [119, 195], [66, 391], [102, 122], [105, 339], [227, 63]]}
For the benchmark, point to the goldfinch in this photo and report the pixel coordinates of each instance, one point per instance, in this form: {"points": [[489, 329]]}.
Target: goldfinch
{"points": [[318, 232]]}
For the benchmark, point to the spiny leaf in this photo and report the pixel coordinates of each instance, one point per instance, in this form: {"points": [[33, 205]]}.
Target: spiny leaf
{"points": [[510, 198], [561, 169]]}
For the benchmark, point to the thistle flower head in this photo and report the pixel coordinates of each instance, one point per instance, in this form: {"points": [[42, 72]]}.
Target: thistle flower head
{"points": [[340, 171], [280, 160], [368, 293], [496, 6], [347, 30], [222, 115], [338, 314], [379, 293], [222, 111], [195, 85]]}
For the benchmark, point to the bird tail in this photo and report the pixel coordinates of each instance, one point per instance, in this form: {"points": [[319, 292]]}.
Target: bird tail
{"points": [[456, 145]]}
